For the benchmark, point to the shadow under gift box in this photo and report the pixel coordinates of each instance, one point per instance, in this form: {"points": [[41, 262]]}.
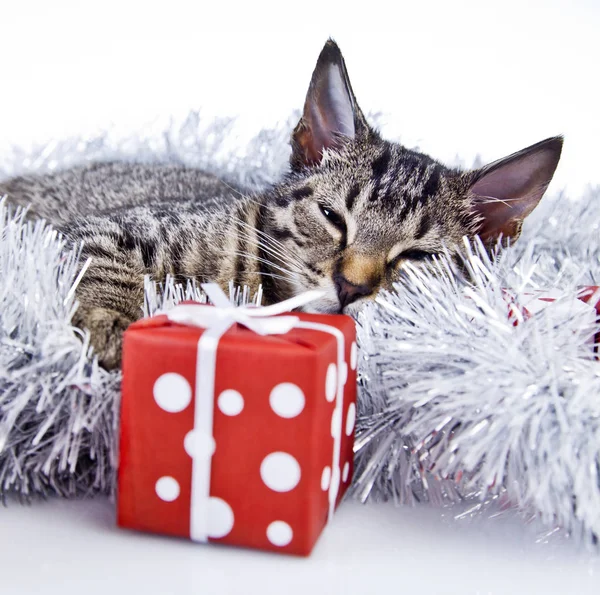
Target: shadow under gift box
{"points": [[279, 457]]}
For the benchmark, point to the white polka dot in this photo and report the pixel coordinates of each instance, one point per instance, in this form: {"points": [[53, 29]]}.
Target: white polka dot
{"points": [[230, 402], [344, 372], [279, 533], [280, 471], [353, 355], [350, 419], [167, 488], [346, 471], [199, 445], [336, 419], [325, 478], [220, 518], [287, 400], [331, 382], [172, 392]]}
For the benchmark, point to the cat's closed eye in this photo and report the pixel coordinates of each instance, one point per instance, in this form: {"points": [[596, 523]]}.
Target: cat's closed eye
{"points": [[414, 255], [336, 220]]}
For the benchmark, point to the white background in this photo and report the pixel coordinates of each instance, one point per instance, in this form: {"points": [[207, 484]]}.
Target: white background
{"points": [[456, 78]]}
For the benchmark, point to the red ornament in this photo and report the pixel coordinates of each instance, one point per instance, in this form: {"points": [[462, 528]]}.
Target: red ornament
{"points": [[257, 453], [537, 301]]}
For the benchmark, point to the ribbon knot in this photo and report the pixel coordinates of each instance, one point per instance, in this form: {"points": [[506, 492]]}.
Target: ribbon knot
{"points": [[263, 320]]}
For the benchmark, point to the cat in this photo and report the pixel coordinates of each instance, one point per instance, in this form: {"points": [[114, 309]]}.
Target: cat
{"points": [[350, 212]]}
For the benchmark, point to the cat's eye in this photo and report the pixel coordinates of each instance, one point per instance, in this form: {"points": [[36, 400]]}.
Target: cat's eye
{"points": [[333, 217], [414, 255]]}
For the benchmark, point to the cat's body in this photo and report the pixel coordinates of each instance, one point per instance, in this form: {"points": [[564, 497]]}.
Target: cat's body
{"points": [[351, 211], [62, 196]]}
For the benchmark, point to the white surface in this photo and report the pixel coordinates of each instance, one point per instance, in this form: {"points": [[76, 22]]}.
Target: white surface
{"points": [[457, 78], [63, 548]]}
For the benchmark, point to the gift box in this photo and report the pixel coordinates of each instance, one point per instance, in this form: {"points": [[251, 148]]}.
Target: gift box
{"points": [[236, 435]]}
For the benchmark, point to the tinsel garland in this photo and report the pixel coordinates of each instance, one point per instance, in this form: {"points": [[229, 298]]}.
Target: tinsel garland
{"points": [[57, 422], [459, 403], [456, 401]]}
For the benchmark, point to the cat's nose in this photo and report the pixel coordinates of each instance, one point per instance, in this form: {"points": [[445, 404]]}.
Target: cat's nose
{"points": [[349, 292]]}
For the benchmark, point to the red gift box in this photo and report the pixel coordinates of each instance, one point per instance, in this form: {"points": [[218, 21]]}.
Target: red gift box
{"points": [[239, 439]]}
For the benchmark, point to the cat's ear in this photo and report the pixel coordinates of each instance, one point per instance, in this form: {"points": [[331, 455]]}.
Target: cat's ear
{"points": [[506, 191], [331, 114]]}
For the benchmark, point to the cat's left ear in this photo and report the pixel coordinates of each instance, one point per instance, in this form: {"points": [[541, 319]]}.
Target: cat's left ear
{"points": [[506, 191], [331, 114]]}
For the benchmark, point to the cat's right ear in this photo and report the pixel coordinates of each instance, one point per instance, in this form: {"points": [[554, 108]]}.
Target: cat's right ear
{"points": [[506, 191], [331, 114]]}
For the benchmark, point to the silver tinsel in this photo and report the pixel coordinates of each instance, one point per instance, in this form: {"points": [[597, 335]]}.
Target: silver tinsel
{"points": [[57, 422], [456, 402]]}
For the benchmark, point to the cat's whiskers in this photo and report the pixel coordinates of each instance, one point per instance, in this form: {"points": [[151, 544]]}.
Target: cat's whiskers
{"points": [[493, 199], [278, 249], [202, 276], [290, 270], [275, 259], [286, 274], [208, 275], [286, 271], [276, 244], [235, 190], [284, 259], [282, 255]]}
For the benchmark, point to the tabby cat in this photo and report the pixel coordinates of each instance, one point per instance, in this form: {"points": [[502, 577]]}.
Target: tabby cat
{"points": [[352, 209]]}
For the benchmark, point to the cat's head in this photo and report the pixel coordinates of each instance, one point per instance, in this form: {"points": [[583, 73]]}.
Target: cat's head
{"points": [[355, 208]]}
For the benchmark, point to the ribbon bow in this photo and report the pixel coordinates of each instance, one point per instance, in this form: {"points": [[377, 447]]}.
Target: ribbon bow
{"points": [[262, 320]]}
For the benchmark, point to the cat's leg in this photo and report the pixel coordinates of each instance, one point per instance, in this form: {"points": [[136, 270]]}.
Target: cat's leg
{"points": [[107, 310], [110, 295], [106, 327]]}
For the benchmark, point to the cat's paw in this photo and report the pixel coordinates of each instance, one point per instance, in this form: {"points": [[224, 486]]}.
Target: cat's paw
{"points": [[106, 328]]}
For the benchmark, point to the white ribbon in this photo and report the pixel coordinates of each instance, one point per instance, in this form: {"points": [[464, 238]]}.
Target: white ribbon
{"points": [[336, 420], [262, 320]]}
